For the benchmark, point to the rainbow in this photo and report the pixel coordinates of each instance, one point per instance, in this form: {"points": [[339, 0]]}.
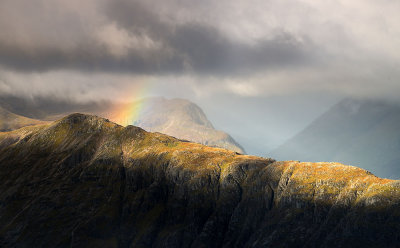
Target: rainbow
{"points": [[129, 110]]}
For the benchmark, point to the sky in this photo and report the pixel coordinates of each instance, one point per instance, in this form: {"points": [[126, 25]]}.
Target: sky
{"points": [[261, 69]]}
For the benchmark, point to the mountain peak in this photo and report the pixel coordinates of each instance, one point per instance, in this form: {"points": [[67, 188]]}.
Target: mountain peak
{"points": [[79, 119], [183, 119]]}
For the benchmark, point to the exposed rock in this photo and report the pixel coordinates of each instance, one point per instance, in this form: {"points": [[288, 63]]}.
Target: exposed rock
{"points": [[86, 182]]}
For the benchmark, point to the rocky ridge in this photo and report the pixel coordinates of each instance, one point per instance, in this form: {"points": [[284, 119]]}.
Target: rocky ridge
{"points": [[86, 182]]}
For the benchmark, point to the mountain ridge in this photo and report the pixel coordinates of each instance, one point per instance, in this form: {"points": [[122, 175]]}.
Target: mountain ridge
{"points": [[176, 117], [85, 181]]}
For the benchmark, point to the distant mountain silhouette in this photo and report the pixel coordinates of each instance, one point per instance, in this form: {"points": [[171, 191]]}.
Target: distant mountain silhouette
{"points": [[49, 108], [10, 121], [363, 133]]}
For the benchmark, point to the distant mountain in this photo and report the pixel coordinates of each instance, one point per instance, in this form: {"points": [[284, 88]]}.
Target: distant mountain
{"points": [[49, 108], [84, 181], [176, 117], [363, 133], [10, 121]]}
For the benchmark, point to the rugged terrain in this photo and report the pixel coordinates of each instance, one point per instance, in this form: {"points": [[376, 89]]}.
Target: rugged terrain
{"points": [[363, 133], [86, 182]]}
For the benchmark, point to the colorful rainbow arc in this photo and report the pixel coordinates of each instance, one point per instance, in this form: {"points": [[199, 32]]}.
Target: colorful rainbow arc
{"points": [[128, 113]]}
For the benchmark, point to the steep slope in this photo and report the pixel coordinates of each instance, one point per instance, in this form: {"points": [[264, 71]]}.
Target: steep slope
{"points": [[10, 121], [357, 132], [176, 117], [86, 182]]}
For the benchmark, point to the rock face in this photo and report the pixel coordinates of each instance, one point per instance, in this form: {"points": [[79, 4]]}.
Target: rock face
{"points": [[364, 133], [86, 182]]}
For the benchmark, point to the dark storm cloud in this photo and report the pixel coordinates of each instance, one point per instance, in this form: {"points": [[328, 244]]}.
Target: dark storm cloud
{"points": [[137, 17], [189, 46], [203, 48], [207, 50], [87, 56]]}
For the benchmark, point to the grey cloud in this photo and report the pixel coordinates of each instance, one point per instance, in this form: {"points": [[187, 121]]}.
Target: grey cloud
{"points": [[207, 50], [201, 47], [86, 57], [248, 48], [137, 17], [191, 46]]}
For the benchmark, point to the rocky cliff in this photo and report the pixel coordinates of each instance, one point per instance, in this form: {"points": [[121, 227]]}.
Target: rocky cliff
{"points": [[86, 182]]}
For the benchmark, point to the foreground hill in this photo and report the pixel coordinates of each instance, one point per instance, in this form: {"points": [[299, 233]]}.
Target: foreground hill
{"points": [[10, 121], [357, 132], [86, 182]]}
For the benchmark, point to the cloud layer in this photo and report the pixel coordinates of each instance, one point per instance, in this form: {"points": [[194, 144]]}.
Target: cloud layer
{"points": [[248, 48]]}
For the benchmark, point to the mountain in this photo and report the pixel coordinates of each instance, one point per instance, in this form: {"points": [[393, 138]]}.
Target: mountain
{"points": [[176, 117], [48, 108], [10, 121], [364, 133], [84, 181]]}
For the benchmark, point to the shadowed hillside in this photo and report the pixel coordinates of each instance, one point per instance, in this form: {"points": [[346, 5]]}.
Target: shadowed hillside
{"points": [[86, 182]]}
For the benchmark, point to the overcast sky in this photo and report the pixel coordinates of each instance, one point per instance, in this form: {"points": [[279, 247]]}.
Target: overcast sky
{"points": [[251, 57]]}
